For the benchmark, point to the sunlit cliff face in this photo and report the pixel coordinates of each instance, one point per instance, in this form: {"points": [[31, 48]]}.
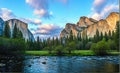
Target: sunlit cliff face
{"points": [[89, 25]]}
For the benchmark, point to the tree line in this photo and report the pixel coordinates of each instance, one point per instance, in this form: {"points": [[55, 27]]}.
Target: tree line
{"points": [[100, 43]]}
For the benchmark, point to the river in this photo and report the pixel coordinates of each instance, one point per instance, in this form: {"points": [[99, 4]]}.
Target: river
{"points": [[63, 64]]}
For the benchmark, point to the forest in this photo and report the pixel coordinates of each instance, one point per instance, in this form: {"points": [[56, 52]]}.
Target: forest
{"points": [[100, 44]]}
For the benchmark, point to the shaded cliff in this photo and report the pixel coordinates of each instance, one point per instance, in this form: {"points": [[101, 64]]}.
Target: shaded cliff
{"points": [[22, 26], [1, 26]]}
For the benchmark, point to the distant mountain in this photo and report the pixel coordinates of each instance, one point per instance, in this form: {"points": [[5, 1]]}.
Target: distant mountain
{"points": [[89, 26], [22, 26]]}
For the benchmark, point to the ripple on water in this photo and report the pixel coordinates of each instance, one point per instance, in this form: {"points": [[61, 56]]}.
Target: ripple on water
{"points": [[66, 64]]}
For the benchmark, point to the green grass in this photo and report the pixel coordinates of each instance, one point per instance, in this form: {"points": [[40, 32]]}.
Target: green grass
{"points": [[42, 53], [74, 53], [114, 52], [83, 52]]}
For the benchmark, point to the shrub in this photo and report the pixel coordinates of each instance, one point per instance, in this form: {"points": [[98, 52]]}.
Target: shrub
{"points": [[111, 44], [88, 45], [79, 46], [101, 48], [71, 46], [59, 50]]}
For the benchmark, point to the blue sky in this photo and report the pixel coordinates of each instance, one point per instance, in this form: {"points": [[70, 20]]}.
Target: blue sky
{"points": [[46, 18]]}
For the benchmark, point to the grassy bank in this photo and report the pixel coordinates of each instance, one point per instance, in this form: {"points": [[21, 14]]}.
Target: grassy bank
{"points": [[74, 53]]}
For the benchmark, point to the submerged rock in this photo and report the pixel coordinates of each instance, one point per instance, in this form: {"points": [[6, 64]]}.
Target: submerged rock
{"points": [[2, 64], [43, 62]]}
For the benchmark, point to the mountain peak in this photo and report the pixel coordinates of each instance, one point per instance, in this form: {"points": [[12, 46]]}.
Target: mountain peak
{"points": [[91, 25], [112, 18], [85, 21]]}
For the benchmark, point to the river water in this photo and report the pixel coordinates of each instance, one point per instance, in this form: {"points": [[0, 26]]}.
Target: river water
{"points": [[63, 64]]}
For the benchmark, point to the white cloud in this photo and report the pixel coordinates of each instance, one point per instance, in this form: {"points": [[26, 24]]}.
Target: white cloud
{"points": [[6, 14], [102, 8], [32, 21], [98, 2], [105, 11], [48, 29], [40, 12], [40, 8]]}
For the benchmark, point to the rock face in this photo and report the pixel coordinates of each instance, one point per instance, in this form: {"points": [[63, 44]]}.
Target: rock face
{"points": [[69, 27], [1, 26], [85, 22], [20, 25], [89, 26]]}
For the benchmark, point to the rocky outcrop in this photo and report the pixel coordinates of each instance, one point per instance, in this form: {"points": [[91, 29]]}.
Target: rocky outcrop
{"points": [[101, 26], [85, 22], [89, 26], [69, 27], [1, 26], [112, 19], [22, 26]]}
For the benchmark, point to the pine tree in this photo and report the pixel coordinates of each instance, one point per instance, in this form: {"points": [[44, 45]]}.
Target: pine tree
{"points": [[97, 36], [106, 36], [53, 41], [116, 36], [109, 35], [71, 36], [20, 35], [7, 30], [15, 31], [101, 36], [95, 39], [113, 34], [37, 43], [79, 36]]}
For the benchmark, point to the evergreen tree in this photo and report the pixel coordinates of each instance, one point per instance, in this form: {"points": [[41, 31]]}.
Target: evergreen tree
{"points": [[53, 41], [113, 33], [71, 36], [95, 39], [19, 34], [7, 30], [109, 35], [79, 36], [106, 36], [57, 41], [15, 31], [97, 36], [101, 36], [116, 36], [37, 43]]}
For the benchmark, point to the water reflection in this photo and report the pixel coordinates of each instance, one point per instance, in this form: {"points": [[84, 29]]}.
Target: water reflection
{"points": [[56, 64], [75, 64]]}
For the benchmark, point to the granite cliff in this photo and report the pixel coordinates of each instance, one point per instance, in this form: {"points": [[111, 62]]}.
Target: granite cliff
{"points": [[22, 26], [1, 26], [89, 26]]}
